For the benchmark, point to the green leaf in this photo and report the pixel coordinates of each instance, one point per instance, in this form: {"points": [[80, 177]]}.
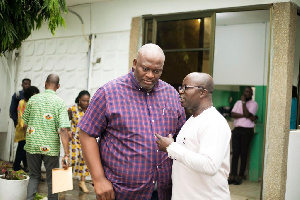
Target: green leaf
{"points": [[19, 17]]}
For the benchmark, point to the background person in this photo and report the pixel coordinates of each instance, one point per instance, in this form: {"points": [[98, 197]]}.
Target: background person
{"points": [[76, 112], [44, 116], [19, 134], [243, 113], [13, 110], [125, 113], [293, 118], [201, 153]]}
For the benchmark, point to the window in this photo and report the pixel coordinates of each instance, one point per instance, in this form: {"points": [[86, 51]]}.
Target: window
{"points": [[186, 42]]}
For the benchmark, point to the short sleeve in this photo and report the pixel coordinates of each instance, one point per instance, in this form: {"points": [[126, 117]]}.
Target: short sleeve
{"points": [[253, 108], [235, 107], [63, 121]]}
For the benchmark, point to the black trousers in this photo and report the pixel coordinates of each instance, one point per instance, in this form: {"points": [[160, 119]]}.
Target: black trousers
{"points": [[20, 156], [241, 138]]}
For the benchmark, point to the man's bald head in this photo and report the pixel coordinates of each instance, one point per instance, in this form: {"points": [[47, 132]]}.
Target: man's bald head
{"points": [[202, 79], [53, 79], [151, 50]]}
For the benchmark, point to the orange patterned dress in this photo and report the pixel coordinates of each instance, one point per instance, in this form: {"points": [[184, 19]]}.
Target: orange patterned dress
{"points": [[77, 162]]}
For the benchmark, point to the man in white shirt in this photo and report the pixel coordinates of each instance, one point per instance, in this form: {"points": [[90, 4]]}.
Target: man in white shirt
{"points": [[202, 148]]}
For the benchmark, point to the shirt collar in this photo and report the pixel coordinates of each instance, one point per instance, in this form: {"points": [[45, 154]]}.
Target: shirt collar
{"points": [[50, 91], [137, 85]]}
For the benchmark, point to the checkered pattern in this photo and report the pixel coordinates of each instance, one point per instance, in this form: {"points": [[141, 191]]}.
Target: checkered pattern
{"points": [[125, 117]]}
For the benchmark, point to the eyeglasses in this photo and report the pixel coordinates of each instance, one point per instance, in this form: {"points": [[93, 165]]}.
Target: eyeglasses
{"points": [[183, 88]]}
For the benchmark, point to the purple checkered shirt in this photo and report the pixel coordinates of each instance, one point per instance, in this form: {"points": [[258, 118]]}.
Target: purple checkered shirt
{"points": [[125, 117]]}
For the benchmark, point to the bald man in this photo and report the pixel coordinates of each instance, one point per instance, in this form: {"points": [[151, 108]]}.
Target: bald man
{"points": [[125, 113], [201, 151], [44, 115]]}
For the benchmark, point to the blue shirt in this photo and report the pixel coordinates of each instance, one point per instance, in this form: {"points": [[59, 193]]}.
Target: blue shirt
{"points": [[13, 110]]}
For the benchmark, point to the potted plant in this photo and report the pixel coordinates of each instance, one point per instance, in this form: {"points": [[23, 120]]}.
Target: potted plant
{"points": [[13, 184]]}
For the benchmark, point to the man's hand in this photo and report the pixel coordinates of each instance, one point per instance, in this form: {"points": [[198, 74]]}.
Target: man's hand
{"points": [[65, 162], [104, 190], [243, 98], [163, 142]]}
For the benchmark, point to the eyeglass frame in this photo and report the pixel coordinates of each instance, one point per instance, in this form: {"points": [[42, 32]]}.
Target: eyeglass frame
{"points": [[183, 88]]}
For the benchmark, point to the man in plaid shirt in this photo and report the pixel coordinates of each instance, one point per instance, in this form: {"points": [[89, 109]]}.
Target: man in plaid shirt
{"points": [[125, 114]]}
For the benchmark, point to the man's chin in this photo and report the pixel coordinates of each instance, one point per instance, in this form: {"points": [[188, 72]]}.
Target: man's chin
{"points": [[148, 87]]}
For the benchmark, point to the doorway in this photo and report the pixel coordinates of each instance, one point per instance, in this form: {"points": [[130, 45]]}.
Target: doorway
{"points": [[231, 46]]}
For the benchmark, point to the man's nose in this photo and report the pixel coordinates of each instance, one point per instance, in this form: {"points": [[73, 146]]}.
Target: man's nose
{"points": [[150, 74]]}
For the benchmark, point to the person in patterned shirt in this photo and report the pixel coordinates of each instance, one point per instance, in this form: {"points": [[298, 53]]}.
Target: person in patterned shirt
{"points": [[76, 112], [125, 114], [44, 117]]}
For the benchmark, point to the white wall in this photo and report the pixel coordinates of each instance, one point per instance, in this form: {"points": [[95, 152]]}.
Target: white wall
{"points": [[297, 54], [293, 162], [67, 53], [7, 75], [241, 54]]}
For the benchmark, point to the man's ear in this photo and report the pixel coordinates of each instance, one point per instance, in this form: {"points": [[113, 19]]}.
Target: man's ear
{"points": [[134, 63], [203, 93], [58, 86]]}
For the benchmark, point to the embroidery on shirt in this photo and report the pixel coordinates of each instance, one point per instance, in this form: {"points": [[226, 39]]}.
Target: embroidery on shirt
{"points": [[48, 116], [31, 130], [45, 148]]}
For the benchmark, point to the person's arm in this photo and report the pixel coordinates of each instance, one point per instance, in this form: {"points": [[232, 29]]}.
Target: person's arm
{"points": [[25, 129], [13, 109], [236, 115], [246, 112], [103, 187], [69, 129], [65, 142], [213, 147]]}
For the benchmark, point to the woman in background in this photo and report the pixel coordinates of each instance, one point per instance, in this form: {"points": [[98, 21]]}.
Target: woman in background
{"points": [[19, 135], [76, 112]]}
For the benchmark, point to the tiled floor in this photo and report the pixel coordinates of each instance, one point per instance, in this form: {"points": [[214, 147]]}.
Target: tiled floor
{"points": [[248, 190]]}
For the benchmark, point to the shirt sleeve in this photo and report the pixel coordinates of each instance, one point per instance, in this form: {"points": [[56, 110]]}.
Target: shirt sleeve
{"points": [[213, 147], [94, 120], [235, 107], [63, 121], [253, 108]]}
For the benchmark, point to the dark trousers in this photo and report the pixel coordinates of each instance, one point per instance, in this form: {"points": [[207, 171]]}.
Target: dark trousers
{"points": [[34, 166], [20, 156], [154, 195], [241, 138]]}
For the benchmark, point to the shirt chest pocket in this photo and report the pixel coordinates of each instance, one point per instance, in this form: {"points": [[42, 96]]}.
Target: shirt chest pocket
{"points": [[170, 119]]}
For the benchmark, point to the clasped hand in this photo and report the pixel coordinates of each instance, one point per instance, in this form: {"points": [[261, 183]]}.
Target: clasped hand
{"points": [[163, 142]]}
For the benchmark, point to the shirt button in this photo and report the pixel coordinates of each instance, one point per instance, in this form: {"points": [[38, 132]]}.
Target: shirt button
{"points": [[156, 150], [153, 120], [150, 107], [153, 182], [157, 167], [148, 94]]}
